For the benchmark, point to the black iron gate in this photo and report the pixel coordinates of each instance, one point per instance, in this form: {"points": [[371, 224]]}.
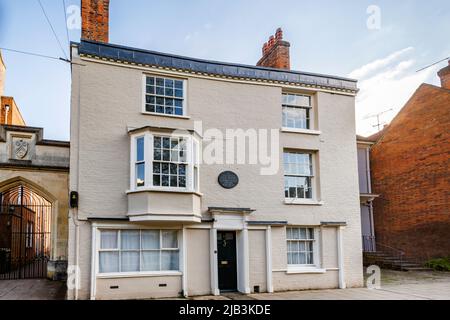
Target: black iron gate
{"points": [[25, 221]]}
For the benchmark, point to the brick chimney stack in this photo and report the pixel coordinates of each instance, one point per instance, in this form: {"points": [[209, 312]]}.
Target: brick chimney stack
{"points": [[276, 52], [2, 75], [444, 74], [95, 20]]}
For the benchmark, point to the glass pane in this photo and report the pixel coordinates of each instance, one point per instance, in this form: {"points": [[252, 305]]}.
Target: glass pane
{"points": [[129, 261], [160, 82], [311, 233], [156, 167], [290, 258], [150, 80], [157, 180], [295, 233], [289, 233], [169, 239], [140, 149], [169, 260], [178, 93], [157, 142], [150, 239], [129, 239], [182, 182], [310, 258], [302, 233], [108, 239], [140, 174], [165, 181], [150, 261], [173, 181], [178, 84], [302, 258], [109, 262]]}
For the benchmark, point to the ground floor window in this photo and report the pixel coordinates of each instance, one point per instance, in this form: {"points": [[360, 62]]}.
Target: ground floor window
{"points": [[300, 246], [138, 251]]}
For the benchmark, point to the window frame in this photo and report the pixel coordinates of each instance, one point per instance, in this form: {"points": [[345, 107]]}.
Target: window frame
{"points": [[192, 164], [309, 111], [118, 249], [168, 77], [316, 263], [312, 176]]}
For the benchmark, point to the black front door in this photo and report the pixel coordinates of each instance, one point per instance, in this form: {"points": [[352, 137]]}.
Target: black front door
{"points": [[226, 247]]}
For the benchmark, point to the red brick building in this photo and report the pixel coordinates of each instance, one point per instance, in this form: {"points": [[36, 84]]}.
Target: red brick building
{"points": [[410, 171]]}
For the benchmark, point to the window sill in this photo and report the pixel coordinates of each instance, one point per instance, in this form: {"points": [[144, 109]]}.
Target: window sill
{"points": [[166, 115], [160, 189], [303, 202], [138, 274], [302, 131], [300, 270]]}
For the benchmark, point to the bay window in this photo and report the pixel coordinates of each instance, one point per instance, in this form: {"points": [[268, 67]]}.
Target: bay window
{"points": [[164, 162], [122, 251]]}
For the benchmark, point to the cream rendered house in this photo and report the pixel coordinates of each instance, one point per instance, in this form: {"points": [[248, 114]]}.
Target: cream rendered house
{"points": [[155, 219]]}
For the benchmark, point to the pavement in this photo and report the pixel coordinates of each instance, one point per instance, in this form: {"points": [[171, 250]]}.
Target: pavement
{"points": [[33, 289], [395, 285]]}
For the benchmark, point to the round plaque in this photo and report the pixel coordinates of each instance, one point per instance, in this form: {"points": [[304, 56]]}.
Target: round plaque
{"points": [[228, 179]]}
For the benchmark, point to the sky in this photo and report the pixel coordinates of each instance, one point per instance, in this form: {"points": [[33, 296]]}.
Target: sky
{"points": [[380, 43]]}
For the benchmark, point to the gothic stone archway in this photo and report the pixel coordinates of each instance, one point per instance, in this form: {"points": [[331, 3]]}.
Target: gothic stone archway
{"points": [[25, 234]]}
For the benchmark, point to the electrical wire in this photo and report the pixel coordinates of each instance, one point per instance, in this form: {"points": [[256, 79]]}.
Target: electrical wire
{"points": [[35, 54], [65, 22], [53, 30], [448, 58]]}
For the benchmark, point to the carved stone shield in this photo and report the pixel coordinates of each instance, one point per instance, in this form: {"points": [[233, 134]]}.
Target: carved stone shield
{"points": [[21, 148]]}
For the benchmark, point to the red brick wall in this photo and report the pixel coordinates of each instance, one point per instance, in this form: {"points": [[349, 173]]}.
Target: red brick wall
{"points": [[95, 20], [410, 170]]}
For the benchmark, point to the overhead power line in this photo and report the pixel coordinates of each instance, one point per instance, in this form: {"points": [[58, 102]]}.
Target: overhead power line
{"points": [[448, 58], [65, 22], [53, 29], [35, 54]]}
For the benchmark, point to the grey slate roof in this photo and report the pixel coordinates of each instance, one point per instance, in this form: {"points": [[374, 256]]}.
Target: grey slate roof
{"points": [[152, 58]]}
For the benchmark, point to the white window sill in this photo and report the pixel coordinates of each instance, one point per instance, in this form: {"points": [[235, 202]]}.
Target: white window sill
{"points": [[166, 115], [162, 189], [303, 202], [302, 131], [306, 269], [138, 274]]}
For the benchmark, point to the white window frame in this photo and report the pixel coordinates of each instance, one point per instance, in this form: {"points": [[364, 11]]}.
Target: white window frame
{"points": [[312, 177], [184, 115], [193, 162], [316, 265], [98, 250]]}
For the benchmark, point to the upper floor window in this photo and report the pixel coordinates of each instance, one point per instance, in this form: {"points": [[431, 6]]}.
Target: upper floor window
{"points": [[164, 95], [298, 175], [296, 111], [169, 162]]}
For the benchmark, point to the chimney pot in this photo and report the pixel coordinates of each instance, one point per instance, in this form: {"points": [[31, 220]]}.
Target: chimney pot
{"points": [[276, 52]]}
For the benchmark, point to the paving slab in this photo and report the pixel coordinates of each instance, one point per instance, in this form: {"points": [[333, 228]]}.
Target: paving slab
{"points": [[33, 289]]}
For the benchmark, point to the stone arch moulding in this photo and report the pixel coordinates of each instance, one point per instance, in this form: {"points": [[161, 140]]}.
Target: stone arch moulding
{"points": [[16, 181]]}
